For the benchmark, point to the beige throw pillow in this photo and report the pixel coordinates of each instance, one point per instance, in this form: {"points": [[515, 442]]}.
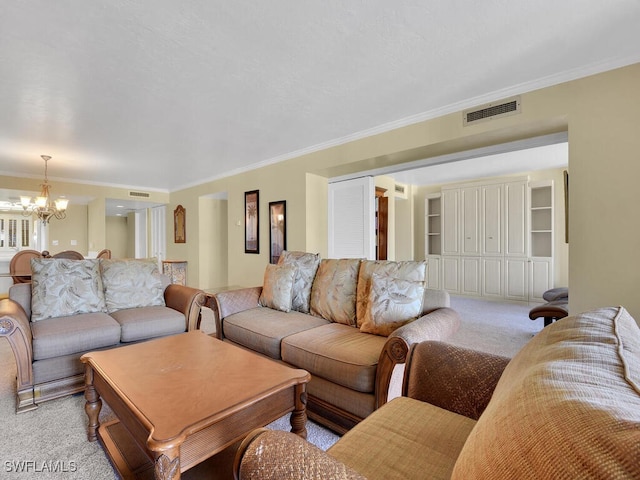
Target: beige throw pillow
{"points": [[277, 288], [333, 294], [62, 287], [131, 283], [392, 303], [404, 270], [307, 265]]}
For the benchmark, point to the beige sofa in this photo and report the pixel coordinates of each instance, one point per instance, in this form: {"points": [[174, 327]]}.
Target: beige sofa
{"points": [[75, 306], [566, 406], [324, 327]]}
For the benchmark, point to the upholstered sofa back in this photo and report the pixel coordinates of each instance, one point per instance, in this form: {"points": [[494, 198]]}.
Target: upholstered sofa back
{"points": [[572, 394]]}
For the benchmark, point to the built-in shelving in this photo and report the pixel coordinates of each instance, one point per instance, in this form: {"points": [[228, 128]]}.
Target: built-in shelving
{"points": [[434, 226], [542, 221]]}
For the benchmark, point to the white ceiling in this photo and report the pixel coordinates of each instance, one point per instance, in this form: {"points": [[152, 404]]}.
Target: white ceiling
{"points": [[164, 94]]}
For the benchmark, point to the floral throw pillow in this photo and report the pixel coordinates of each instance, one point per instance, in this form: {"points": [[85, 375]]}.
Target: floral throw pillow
{"points": [[333, 294], [307, 265], [62, 287], [131, 283], [392, 303], [277, 288]]}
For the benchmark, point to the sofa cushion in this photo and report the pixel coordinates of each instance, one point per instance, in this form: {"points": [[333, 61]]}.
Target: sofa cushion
{"points": [[566, 406], [262, 329], [333, 294], [62, 287], [59, 336], [392, 303], [406, 270], [277, 287], [306, 268], [339, 353], [149, 322], [405, 438], [131, 283]]}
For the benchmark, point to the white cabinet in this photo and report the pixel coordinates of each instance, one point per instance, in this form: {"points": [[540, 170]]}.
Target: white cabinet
{"points": [[470, 275], [492, 277], [492, 218], [470, 221], [493, 239]]}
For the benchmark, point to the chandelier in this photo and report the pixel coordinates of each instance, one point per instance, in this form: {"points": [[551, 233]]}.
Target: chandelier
{"points": [[42, 206]]}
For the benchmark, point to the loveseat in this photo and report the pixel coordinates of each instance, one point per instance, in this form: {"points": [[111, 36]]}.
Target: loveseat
{"points": [[348, 322], [74, 306], [566, 406]]}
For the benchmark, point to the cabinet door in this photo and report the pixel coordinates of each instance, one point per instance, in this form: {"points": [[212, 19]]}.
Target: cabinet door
{"points": [[516, 278], [492, 219], [434, 267], [470, 275], [541, 278], [450, 222], [450, 274], [516, 219], [492, 277], [470, 221]]}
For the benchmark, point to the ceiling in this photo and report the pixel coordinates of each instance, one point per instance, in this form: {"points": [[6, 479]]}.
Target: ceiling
{"points": [[165, 94]]}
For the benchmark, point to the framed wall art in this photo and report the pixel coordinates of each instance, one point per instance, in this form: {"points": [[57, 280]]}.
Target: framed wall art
{"points": [[277, 229], [179, 225], [251, 222]]}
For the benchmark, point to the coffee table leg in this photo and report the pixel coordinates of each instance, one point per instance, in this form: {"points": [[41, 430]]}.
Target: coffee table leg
{"points": [[299, 414], [167, 464], [93, 405]]}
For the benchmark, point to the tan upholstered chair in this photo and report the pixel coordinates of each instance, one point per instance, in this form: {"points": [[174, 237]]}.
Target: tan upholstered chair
{"points": [[20, 265], [105, 253]]}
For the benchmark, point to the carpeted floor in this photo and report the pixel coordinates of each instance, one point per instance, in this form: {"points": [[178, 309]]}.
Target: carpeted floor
{"points": [[53, 437]]}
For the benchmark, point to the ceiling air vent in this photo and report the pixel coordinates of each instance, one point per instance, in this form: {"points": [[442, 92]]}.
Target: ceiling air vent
{"points": [[139, 194], [503, 108]]}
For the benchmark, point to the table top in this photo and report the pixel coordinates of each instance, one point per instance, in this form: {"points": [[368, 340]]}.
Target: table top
{"points": [[180, 384]]}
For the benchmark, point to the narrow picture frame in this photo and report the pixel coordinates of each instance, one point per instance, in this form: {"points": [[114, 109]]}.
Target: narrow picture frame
{"points": [[180, 225], [252, 221], [277, 230]]}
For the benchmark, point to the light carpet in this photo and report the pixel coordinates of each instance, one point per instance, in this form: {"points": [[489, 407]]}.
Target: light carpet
{"points": [[54, 435]]}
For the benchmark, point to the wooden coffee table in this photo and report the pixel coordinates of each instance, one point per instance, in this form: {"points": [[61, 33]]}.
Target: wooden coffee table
{"points": [[184, 398]]}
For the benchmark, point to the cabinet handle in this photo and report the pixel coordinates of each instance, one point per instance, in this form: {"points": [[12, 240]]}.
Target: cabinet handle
{"points": [[490, 238]]}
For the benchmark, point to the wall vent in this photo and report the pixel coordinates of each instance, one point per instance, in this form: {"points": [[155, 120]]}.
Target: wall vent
{"points": [[490, 111], [400, 190], [139, 194]]}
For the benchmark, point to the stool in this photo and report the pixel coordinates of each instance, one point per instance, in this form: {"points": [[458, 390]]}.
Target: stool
{"points": [[557, 306], [550, 311]]}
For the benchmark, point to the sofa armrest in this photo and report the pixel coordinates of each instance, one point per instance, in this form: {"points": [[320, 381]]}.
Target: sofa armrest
{"points": [[187, 300], [275, 454], [455, 378], [439, 324], [14, 325], [229, 302]]}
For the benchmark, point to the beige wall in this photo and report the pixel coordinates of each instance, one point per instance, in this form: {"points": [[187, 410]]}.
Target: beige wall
{"points": [[600, 115], [213, 219], [404, 226], [117, 236], [71, 229]]}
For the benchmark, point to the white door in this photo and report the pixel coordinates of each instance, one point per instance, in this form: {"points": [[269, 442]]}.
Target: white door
{"points": [[470, 275], [516, 219], [492, 220], [434, 266], [352, 219], [492, 277], [470, 221], [541, 278], [516, 278]]}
